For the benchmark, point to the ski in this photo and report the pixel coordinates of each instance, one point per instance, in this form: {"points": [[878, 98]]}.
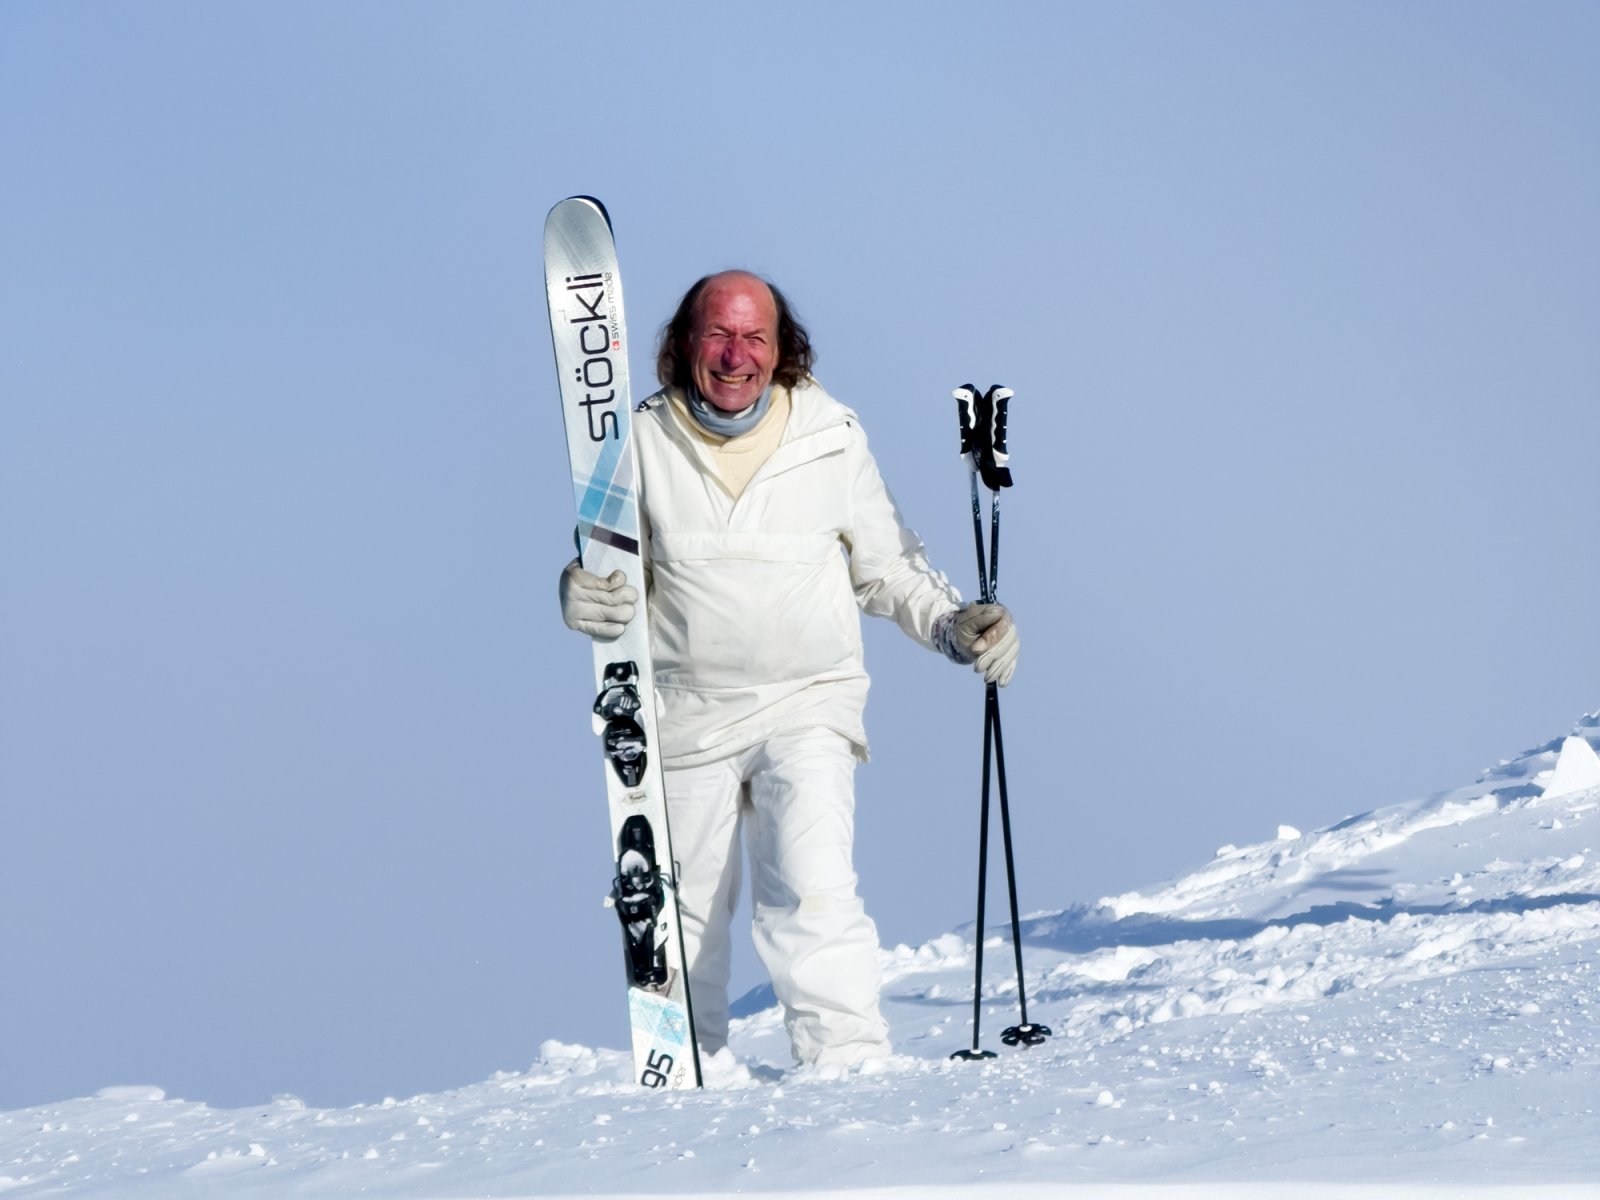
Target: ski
{"points": [[591, 349]]}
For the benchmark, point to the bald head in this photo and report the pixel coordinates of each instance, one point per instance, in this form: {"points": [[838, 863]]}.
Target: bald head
{"points": [[734, 283]]}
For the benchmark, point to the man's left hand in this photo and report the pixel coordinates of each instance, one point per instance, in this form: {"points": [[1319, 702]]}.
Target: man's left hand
{"points": [[988, 635]]}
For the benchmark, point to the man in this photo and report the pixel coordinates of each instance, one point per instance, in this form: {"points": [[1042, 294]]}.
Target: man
{"points": [[768, 526]]}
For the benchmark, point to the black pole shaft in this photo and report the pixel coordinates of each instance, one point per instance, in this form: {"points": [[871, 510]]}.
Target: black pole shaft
{"points": [[1000, 762], [977, 538], [994, 547], [1005, 834], [983, 879], [983, 806]]}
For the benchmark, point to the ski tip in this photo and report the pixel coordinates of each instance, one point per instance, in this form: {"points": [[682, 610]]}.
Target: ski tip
{"points": [[999, 392], [966, 392], [592, 202]]}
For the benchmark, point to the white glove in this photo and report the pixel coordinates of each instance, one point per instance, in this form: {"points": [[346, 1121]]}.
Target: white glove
{"points": [[987, 638], [599, 607]]}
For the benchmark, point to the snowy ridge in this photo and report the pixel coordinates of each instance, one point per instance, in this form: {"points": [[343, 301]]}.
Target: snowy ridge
{"points": [[1405, 1002], [1262, 879], [1400, 894]]}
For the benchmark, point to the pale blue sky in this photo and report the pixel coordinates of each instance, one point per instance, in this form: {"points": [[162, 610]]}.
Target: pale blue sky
{"points": [[1299, 303]]}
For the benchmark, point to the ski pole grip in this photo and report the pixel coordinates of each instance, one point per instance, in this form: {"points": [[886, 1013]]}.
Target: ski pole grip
{"points": [[966, 412], [1000, 396]]}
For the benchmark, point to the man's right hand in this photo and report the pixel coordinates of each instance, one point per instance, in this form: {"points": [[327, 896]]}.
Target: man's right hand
{"points": [[599, 607]]}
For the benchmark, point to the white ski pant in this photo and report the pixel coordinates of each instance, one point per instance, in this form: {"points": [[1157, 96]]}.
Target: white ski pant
{"points": [[793, 800]]}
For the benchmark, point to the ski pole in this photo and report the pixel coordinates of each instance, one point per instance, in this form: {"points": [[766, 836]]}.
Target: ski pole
{"points": [[1024, 1032], [966, 413], [997, 475], [983, 443]]}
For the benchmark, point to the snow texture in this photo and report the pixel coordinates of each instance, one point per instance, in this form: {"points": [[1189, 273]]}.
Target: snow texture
{"points": [[1403, 1003]]}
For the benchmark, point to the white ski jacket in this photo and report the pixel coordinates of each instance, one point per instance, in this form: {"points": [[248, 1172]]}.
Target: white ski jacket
{"points": [[753, 621]]}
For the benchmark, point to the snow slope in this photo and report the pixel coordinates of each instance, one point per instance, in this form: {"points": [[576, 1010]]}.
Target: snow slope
{"points": [[1403, 1003]]}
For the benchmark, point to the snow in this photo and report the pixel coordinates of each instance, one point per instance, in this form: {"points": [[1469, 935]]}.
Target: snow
{"points": [[1403, 1003], [1577, 769]]}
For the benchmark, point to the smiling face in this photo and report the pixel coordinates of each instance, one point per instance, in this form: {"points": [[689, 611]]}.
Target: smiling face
{"points": [[733, 342]]}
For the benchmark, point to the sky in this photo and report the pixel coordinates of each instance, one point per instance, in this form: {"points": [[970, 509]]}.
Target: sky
{"points": [[296, 787]]}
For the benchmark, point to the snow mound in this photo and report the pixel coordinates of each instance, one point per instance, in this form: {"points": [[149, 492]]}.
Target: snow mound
{"points": [[1577, 769], [1405, 1002]]}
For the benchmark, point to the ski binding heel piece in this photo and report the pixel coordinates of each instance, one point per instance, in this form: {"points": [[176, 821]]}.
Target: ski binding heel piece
{"points": [[638, 896]]}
